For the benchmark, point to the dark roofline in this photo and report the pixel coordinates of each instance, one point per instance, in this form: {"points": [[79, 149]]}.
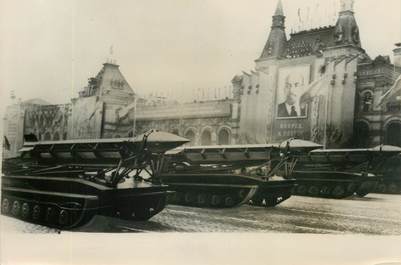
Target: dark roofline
{"points": [[373, 62], [111, 64], [36, 101], [314, 30]]}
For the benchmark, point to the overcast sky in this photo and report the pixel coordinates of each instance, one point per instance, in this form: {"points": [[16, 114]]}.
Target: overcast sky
{"points": [[49, 48]]}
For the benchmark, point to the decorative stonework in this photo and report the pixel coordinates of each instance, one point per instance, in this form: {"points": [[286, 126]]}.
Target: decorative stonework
{"points": [[315, 118], [86, 118], [47, 122]]}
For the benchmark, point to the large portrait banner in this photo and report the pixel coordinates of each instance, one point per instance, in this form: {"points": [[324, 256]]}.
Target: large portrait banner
{"points": [[292, 85], [291, 120]]}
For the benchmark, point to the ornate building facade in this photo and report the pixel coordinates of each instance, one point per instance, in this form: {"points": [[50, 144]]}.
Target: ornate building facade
{"points": [[316, 84]]}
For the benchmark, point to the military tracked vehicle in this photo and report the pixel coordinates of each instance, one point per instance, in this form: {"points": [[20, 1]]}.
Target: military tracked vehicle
{"points": [[340, 173], [63, 184], [389, 170], [230, 175]]}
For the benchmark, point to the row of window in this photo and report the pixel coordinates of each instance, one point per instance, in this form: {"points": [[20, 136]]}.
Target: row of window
{"points": [[392, 134], [55, 137], [223, 137], [366, 105]]}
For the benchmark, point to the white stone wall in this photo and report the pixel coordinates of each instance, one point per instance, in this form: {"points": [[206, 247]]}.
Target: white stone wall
{"points": [[86, 118], [185, 110]]}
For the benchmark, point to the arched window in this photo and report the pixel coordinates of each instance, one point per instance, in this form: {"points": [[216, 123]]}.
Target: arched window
{"points": [[47, 136], [224, 137], [206, 138], [393, 133], [190, 135], [361, 134], [394, 107], [367, 102], [56, 136]]}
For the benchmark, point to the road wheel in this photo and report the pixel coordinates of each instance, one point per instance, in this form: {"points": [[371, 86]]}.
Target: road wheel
{"points": [[215, 200], [228, 201], [351, 188], [143, 214], [325, 190], [242, 193], [36, 212], [16, 208], [257, 201], [63, 217], [362, 193], [381, 188], [189, 197], [313, 190], [5, 206], [302, 189], [271, 201], [179, 197], [393, 188], [50, 213], [172, 198], [201, 199], [25, 210], [338, 192]]}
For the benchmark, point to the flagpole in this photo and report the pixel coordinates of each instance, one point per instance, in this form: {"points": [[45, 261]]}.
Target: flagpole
{"points": [[134, 121]]}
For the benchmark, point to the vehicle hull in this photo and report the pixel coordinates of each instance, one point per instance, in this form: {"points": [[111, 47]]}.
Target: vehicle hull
{"points": [[333, 184], [219, 190], [67, 203]]}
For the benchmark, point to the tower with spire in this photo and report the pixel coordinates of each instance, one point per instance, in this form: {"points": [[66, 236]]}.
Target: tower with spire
{"points": [[346, 29], [322, 63], [276, 43]]}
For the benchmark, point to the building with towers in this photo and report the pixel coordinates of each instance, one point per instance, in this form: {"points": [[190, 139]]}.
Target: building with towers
{"points": [[317, 84]]}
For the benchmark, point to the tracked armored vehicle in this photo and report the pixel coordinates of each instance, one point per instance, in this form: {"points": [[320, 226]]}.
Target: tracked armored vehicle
{"points": [[340, 173], [63, 184], [389, 170], [228, 176]]}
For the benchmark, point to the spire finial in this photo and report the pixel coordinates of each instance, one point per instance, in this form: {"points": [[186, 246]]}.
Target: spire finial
{"points": [[111, 59], [347, 5], [276, 43], [279, 9], [12, 95], [347, 31]]}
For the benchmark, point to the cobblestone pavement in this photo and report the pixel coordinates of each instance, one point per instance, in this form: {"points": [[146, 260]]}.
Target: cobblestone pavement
{"points": [[376, 214]]}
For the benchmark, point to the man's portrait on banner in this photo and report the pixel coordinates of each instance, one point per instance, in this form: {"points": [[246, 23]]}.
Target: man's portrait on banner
{"points": [[292, 84]]}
